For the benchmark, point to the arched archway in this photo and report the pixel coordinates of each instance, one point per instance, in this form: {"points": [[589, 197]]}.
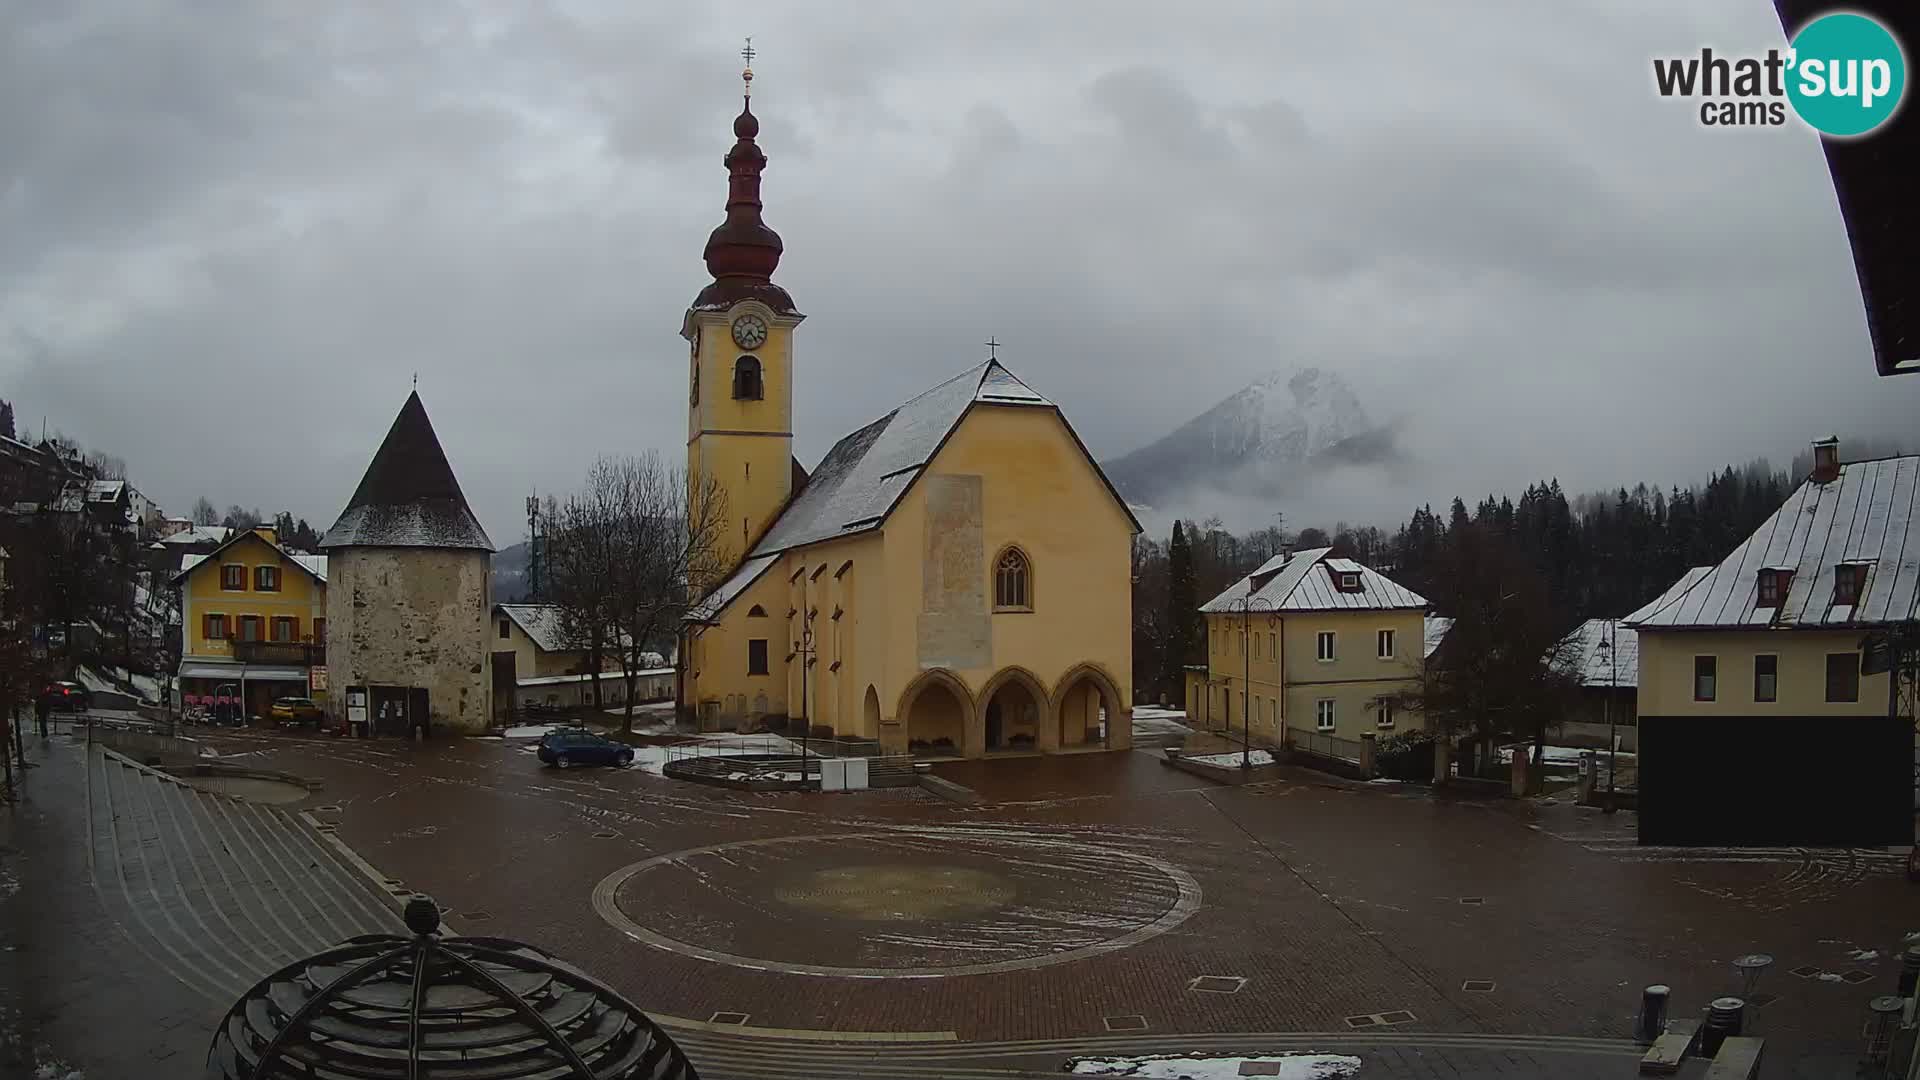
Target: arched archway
{"points": [[1013, 709], [870, 714], [935, 708], [1089, 710]]}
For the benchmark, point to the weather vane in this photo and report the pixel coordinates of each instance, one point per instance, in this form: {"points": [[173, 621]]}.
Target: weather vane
{"points": [[993, 349], [746, 75]]}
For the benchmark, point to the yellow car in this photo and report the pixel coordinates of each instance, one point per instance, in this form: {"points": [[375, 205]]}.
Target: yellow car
{"points": [[296, 710]]}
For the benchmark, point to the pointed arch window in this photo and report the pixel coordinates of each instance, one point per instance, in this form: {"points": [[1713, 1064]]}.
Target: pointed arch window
{"points": [[1012, 581], [756, 612], [746, 379]]}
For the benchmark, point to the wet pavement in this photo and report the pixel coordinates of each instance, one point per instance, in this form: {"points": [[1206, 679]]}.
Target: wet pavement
{"points": [[1489, 938]]}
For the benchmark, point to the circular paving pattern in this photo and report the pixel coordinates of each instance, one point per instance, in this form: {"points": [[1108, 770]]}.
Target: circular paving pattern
{"points": [[899, 902]]}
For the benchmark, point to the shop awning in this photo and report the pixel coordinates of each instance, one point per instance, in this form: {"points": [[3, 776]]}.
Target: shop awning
{"points": [[214, 669]]}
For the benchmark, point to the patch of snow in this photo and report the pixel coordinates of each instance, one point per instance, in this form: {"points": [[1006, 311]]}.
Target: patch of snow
{"points": [[532, 731], [1196, 1067], [1257, 757], [1383, 780], [1864, 955], [1828, 976]]}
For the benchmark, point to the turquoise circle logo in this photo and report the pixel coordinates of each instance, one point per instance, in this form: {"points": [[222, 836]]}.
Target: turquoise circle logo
{"points": [[1847, 74]]}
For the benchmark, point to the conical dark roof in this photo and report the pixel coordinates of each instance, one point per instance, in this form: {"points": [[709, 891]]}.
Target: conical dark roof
{"points": [[409, 497]]}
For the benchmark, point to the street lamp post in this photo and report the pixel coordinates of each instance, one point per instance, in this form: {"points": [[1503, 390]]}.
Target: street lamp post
{"points": [[803, 649], [1248, 605], [1608, 643]]}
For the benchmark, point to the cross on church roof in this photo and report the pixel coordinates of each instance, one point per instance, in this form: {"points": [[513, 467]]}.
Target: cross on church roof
{"points": [[747, 54], [993, 349]]}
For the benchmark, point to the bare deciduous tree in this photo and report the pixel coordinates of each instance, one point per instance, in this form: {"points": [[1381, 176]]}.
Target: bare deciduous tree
{"points": [[204, 512], [622, 552]]}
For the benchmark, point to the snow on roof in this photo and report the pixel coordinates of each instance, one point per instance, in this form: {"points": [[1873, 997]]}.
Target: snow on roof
{"points": [[544, 623], [1687, 581], [312, 564], [717, 600], [105, 490], [1871, 513], [1437, 627], [199, 534], [857, 483], [408, 497], [1287, 583], [1583, 653]]}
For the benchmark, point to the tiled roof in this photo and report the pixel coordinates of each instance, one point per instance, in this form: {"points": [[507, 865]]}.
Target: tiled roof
{"points": [[199, 534], [1583, 655], [312, 564], [541, 622], [857, 484], [408, 497], [718, 599], [1301, 582], [1870, 513]]}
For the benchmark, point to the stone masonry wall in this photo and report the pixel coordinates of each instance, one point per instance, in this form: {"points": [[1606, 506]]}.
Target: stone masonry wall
{"points": [[412, 617]]}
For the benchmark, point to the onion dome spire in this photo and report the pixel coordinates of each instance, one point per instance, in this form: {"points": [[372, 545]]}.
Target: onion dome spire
{"points": [[743, 246]]}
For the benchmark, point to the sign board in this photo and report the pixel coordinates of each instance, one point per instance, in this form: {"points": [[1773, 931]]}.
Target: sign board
{"points": [[317, 678], [356, 706]]}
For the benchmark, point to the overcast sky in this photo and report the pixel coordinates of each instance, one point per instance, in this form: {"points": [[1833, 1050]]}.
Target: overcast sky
{"points": [[231, 234]]}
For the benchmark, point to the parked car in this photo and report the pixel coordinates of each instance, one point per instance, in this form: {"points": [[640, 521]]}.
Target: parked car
{"points": [[296, 710], [66, 697], [569, 748]]}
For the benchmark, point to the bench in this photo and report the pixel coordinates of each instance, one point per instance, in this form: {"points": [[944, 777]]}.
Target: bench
{"points": [[1738, 1059], [1663, 1057]]}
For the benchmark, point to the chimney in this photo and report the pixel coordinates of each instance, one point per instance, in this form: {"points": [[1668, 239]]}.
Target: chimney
{"points": [[267, 533], [1826, 460]]}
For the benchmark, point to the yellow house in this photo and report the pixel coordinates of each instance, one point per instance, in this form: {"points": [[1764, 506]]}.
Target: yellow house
{"points": [[1761, 720], [1313, 650], [951, 580], [253, 621]]}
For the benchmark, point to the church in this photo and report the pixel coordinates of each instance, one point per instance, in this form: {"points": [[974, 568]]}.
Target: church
{"points": [[951, 580]]}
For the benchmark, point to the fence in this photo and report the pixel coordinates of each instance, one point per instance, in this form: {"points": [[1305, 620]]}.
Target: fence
{"points": [[773, 757], [1309, 741]]}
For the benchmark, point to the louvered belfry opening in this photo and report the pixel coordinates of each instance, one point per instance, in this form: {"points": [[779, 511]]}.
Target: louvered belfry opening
{"points": [[409, 1008]]}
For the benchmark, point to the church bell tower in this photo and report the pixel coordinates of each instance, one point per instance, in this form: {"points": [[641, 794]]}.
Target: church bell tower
{"points": [[740, 367]]}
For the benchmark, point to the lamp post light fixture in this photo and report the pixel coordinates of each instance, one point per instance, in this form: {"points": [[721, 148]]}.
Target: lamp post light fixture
{"points": [[1248, 605], [804, 650]]}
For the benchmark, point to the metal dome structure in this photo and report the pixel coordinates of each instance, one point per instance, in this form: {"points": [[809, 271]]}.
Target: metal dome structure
{"points": [[384, 1006]]}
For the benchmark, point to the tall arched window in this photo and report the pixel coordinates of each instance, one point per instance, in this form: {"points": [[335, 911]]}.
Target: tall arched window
{"points": [[1012, 581], [746, 379]]}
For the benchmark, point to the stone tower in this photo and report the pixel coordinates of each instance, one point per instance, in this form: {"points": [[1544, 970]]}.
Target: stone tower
{"points": [[740, 374], [409, 591]]}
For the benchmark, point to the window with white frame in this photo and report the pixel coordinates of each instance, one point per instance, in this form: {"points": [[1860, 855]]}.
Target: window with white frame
{"points": [[1324, 645], [1323, 714], [1383, 713], [1384, 641]]}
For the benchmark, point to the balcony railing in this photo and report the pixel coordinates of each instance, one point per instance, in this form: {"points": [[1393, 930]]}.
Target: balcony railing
{"points": [[290, 653]]}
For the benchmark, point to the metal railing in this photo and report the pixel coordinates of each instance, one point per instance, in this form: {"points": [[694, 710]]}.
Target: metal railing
{"points": [[1323, 744]]}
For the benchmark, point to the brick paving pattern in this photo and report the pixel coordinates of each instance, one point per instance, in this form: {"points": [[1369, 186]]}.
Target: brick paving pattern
{"points": [[1330, 900]]}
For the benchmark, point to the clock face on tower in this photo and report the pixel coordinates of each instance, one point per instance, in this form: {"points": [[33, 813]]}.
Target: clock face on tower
{"points": [[749, 332]]}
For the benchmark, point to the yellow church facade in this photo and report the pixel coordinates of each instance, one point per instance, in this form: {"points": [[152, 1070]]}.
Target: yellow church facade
{"points": [[951, 580]]}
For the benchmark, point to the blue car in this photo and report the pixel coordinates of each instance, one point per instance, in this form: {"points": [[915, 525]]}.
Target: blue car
{"points": [[569, 748]]}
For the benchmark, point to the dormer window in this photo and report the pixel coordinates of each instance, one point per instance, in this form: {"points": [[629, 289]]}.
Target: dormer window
{"points": [[746, 379], [1346, 581], [1773, 586], [1849, 581]]}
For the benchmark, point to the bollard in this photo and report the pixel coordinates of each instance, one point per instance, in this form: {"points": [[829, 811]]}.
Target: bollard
{"points": [[1910, 971], [1653, 1013], [1724, 1017]]}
